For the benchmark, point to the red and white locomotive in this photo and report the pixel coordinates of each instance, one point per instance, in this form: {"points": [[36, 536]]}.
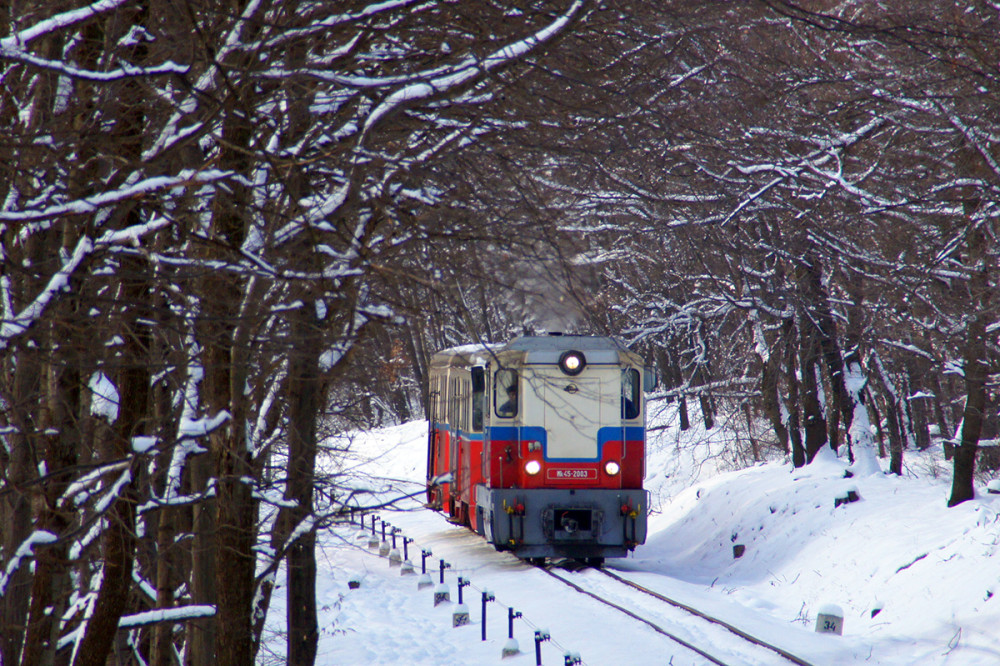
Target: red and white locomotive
{"points": [[539, 445]]}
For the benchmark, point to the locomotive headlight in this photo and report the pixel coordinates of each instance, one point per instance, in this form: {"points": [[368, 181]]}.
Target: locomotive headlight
{"points": [[612, 468], [533, 467], [572, 362]]}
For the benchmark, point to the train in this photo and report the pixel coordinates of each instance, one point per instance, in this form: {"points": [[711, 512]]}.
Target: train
{"points": [[538, 445]]}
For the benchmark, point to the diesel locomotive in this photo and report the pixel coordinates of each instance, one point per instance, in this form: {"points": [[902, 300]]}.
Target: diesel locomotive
{"points": [[539, 445]]}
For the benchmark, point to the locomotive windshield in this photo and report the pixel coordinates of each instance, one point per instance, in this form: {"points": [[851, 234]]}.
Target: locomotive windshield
{"points": [[573, 409]]}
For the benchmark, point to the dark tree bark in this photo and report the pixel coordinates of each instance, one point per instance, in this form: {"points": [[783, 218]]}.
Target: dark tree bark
{"points": [[770, 399], [963, 488], [794, 391], [61, 449], [812, 412], [119, 539], [976, 369], [304, 402], [19, 469]]}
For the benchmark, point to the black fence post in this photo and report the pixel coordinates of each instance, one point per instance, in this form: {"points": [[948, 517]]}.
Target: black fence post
{"points": [[487, 597], [424, 554], [511, 616], [540, 637]]}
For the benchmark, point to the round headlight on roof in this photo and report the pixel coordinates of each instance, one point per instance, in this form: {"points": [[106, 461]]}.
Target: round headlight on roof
{"points": [[572, 362]]}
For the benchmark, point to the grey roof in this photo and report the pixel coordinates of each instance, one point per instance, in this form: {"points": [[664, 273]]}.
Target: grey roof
{"points": [[548, 348], [563, 342]]}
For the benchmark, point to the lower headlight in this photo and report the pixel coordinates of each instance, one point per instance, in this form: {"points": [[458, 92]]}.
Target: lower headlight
{"points": [[612, 468], [533, 467]]}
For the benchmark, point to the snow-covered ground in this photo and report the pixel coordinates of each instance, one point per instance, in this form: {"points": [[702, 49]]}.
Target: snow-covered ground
{"points": [[917, 582]]}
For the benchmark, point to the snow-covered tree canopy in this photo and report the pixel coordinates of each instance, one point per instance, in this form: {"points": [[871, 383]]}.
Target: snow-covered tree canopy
{"points": [[201, 208]]}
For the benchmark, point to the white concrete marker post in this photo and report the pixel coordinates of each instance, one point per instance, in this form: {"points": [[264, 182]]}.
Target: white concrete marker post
{"points": [[830, 620], [511, 648], [460, 616]]}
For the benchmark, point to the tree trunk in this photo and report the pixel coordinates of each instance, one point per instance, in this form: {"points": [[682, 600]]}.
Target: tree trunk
{"points": [[976, 373], [304, 394], [810, 280], [15, 510], [792, 404], [119, 538], [812, 412], [918, 402], [61, 418], [963, 478], [769, 391]]}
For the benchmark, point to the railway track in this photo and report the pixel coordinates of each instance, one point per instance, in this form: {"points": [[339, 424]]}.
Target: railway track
{"points": [[778, 654]]}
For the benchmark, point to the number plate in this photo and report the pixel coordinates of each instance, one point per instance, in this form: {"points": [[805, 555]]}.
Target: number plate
{"points": [[572, 474]]}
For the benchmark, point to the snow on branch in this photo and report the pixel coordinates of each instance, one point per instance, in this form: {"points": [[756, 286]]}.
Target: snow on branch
{"points": [[439, 84], [20, 323], [24, 551], [14, 325], [93, 203], [178, 614], [124, 72], [79, 490], [13, 47], [63, 20], [335, 20]]}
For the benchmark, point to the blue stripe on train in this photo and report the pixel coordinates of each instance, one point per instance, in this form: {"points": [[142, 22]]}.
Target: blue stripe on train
{"points": [[538, 434]]}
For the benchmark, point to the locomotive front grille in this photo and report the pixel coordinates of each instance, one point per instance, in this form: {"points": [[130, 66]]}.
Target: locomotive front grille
{"points": [[572, 523]]}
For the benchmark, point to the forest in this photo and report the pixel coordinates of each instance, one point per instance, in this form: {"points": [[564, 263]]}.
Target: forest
{"points": [[229, 229]]}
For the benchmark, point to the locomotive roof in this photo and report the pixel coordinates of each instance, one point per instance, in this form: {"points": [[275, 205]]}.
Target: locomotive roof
{"points": [[564, 342], [537, 349], [548, 348], [473, 354]]}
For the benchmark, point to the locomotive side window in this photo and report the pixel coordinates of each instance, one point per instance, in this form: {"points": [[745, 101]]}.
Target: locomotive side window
{"points": [[478, 397], [630, 393], [505, 393]]}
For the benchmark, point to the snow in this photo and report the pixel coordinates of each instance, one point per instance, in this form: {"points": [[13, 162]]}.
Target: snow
{"points": [[104, 400], [143, 444], [914, 579], [201, 427], [24, 551]]}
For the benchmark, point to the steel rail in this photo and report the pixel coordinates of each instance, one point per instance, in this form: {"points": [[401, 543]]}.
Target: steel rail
{"points": [[685, 607], [722, 623], [631, 614]]}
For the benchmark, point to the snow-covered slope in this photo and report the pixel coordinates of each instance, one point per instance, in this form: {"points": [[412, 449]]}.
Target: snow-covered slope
{"points": [[916, 581]]}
